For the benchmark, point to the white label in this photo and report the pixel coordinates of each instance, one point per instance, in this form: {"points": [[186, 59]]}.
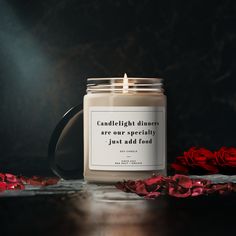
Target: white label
{"points": [[127, 138]]}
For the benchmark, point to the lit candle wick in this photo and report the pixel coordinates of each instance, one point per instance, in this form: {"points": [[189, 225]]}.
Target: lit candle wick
{"points": [[125, 83]]}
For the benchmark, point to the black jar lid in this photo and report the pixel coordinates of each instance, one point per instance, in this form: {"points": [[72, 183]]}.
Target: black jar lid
{"points": [[65, 150]]}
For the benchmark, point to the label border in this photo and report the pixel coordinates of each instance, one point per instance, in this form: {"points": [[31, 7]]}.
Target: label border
{"points": [[160, 109]]}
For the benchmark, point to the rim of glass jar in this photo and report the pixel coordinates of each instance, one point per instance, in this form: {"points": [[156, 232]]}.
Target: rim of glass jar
{"points": [[115, 84]]}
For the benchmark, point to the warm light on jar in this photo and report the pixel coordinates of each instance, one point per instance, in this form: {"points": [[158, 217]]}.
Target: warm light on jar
{"points": [[124, 129]]}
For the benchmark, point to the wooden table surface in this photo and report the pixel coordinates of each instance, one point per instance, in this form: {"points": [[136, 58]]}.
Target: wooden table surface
{"points": [[78, 208]]}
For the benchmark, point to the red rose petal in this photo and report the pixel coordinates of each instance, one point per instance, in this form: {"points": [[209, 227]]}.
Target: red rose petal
{"points": [[15, 186], [183, 180], [181, 193], [11, 178], [156, 179], [2, 177], [130, 185], [121, 186], [179, 186], [152, 195], [197, 191], [13, 182], [141, 188], [3, 186], [39, 181]]}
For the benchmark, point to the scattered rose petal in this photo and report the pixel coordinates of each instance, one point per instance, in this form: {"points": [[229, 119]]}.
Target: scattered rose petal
{"points": [[3, 186], [196, 191], [200, 182], [152, 195], [180, 186], [155, 179], [2, 177], [141, 188], [15, 186], [179, 192], [13, 182], [183, 180], [11, 178]]}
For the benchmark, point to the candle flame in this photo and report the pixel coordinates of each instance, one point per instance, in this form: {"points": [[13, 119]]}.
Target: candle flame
{"points": [[125, 83]]}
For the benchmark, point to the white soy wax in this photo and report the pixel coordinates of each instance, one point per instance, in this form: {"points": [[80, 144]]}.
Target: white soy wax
{"points": [[124, 129]]}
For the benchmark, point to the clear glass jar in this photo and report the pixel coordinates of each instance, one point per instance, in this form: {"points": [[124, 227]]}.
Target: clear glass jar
{"points": [[124, 129]]}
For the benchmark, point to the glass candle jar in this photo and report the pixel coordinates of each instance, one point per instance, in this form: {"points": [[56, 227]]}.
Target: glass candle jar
{"points": [[124, 129]]}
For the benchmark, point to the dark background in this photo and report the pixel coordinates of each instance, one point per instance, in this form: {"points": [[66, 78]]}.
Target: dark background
{"points": [[49, 48]]}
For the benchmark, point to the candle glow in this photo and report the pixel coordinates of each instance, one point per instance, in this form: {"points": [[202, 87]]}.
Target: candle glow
{"points": [[125, 83]]}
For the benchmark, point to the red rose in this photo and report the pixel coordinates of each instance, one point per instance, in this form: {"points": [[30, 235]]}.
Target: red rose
{"points": [[225, 157], [195, 158]]}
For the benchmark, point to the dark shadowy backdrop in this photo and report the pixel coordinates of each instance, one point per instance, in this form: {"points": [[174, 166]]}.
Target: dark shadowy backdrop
{"points": [[49, 48]]}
